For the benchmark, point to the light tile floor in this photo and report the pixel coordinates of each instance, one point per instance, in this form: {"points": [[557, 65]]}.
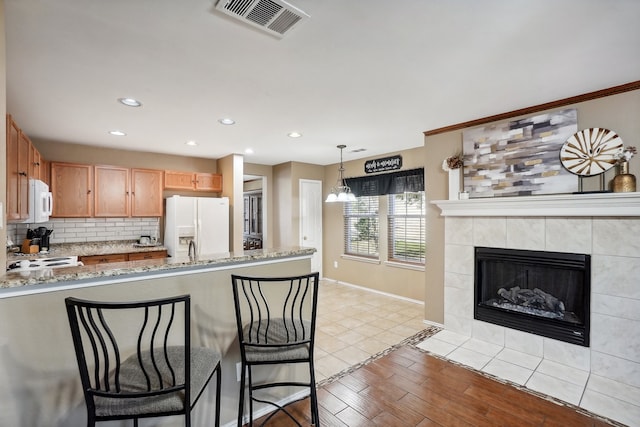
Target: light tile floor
{"points": [[611, 399], [354, 324]]}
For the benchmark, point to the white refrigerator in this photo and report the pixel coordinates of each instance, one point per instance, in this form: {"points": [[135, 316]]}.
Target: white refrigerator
{"points": [[203, 220]]}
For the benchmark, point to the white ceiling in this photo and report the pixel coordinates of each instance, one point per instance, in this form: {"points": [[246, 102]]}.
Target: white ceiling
{"points": [[370, 74]]}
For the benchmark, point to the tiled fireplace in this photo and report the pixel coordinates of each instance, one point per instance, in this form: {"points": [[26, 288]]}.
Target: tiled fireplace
{"points": [[603, 377]]}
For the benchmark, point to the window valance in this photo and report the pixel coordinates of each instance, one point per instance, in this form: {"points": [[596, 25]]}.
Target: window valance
{"points": [[387, 183]]}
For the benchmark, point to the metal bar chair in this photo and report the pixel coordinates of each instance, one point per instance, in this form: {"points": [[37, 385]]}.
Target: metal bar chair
{"points": [[136, 360], [276, 319]]}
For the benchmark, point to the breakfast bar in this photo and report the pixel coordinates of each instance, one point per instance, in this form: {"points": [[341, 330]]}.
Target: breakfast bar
{"points": [[37, 360]]}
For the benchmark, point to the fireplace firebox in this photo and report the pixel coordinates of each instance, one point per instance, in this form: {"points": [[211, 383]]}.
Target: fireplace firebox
{"points": [[543, 293]]}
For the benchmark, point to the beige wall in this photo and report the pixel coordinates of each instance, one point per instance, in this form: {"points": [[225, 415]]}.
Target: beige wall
{"points": [[281, 204], [232, 169], [619, 113], [286, 199], [79, 153], [408, 283]]}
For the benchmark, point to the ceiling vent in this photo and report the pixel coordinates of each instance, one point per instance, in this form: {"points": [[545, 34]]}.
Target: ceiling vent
{"points": [[273, 16]]}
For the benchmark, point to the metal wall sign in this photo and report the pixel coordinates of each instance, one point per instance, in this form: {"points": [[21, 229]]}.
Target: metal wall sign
{"points": [[385, 164]]}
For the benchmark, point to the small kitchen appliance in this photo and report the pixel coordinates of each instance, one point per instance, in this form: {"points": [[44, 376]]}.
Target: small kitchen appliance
{"points": [[31, 264], [40, 202]]}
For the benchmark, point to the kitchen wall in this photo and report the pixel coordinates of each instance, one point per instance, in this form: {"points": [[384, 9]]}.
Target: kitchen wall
{"points": [[81, 230], [287, 199], [58, 151], [71, 230]]}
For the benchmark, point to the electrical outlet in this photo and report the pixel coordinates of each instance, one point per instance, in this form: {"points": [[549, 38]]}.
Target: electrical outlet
{"points": [[335, 264]]}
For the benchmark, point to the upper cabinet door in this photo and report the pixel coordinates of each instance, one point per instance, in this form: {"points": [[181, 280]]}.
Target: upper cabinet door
{"points": [[178, 180], [198, 181], [71, 185], [24, 148], [14, 177], [35, 161], [112, 191], [208, 182], [146, 192]]}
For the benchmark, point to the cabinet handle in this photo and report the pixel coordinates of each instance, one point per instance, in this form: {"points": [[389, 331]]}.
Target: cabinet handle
{"points": [[88, 191], [22, 173]]}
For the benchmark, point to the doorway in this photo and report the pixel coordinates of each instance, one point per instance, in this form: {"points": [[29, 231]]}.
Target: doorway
{"points": [[253, 213]]}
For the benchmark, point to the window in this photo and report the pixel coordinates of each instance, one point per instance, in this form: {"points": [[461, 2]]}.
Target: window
{"points": [[406, 226], [361, 227]]}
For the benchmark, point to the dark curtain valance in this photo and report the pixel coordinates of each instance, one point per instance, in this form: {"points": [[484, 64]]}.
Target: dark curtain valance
{"points": [[387, 183]]}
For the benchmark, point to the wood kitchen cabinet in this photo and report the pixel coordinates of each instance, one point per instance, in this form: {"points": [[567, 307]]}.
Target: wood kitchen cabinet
{"points": [[131, 256], [112, 196], [123, 192], [17, 160], [103, 259], [72, 188], [137, 256], [146, 192], [105, 191], [196, 181], [45, 171], [35, 162], [208, 182]]}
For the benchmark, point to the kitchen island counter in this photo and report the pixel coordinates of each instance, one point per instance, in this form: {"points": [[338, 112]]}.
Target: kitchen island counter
{"points": [[41, 384], [51, 279]]}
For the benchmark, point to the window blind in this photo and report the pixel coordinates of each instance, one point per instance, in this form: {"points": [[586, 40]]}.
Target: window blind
{"points": [[406, 228], [361, 230]]}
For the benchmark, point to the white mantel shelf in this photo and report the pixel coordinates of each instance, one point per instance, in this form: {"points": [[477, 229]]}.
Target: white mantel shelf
{"points": [[563, 205]]}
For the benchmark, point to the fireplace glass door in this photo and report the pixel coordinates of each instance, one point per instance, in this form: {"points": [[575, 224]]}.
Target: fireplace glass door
{"points": [[545, 293]]}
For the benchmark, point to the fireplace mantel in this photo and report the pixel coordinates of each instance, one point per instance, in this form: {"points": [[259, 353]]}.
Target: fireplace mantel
{"points": [[559, 205]]}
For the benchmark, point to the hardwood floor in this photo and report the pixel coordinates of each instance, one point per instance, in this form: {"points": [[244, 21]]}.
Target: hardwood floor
{"points": [[408, 387]]}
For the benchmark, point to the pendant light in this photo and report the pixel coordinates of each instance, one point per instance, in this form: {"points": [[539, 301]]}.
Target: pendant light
{"points": [[341, 191]]}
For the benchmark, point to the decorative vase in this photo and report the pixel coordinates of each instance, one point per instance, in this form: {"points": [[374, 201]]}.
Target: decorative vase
{"points": [[454, 183], [623, 182]]}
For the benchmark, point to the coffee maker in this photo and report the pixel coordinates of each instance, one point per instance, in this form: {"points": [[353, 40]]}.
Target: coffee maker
{"points": [[40, 236]]}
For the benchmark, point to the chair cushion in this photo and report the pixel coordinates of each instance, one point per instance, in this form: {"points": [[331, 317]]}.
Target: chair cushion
{"points": [[258, 333], [132, 379]]}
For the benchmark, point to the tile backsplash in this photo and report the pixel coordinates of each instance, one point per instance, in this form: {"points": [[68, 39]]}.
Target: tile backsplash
{"points": [[73, 230]]}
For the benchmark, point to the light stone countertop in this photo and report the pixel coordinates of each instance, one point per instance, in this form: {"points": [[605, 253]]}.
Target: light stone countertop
{"points": [[49, 279], [90, 248]]}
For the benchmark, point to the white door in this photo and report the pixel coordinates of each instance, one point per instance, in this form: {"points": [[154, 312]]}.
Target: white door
{"points": [[311, 220]]}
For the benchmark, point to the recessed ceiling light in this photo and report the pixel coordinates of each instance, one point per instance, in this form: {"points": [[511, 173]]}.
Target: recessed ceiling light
{"points": [[248, 151], [117, 133], [191, 143], [227, 121], [294, 134], [130, 102]]}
